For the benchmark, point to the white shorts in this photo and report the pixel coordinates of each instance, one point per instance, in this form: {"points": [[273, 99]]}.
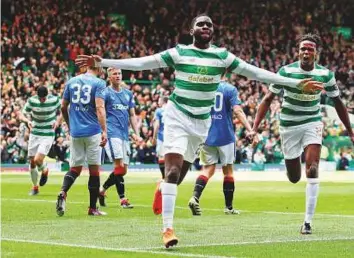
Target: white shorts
{"points": [[182, 134], [85, 149], [117, 148], [159, 148], [295, 139], [39, 144], [210, 155]]}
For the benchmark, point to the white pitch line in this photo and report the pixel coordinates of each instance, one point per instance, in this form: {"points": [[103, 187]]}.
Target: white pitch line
{"points": [[131, 250], [261, 242], [185, 208]]}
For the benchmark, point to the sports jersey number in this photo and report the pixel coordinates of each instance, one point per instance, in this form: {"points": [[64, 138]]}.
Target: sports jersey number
{"points": [[218, 104], [82, 93]]}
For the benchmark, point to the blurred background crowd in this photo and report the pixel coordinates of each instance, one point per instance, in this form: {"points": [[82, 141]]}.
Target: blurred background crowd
{"points": [[40, 40]]}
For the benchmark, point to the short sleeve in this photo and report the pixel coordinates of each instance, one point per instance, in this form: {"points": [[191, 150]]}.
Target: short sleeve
{"points": [[57, 104], [27, 108], [275, 88], [168, 57], [66, 94], [131, 101], [234, 64], [233, 95], [100, 91], [157, 115], [331, 87]]}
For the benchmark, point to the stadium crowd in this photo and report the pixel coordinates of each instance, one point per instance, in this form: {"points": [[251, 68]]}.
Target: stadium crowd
{"points": [[40, 40]]}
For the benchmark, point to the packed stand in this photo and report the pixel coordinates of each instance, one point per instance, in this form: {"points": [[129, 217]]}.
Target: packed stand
{"points": [[41, 39]]}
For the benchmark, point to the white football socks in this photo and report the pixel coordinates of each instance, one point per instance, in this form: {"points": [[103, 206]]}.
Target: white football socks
{"points": [[312, 189], [34, 175], [169, 194]]}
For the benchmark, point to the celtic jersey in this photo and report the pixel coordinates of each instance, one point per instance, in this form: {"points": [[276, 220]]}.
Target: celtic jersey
{"points": [[198, 73], [43, 115], [300, 108]]}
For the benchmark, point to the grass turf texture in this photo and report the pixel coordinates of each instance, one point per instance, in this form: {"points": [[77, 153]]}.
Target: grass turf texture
{"points": [[269, 224]]}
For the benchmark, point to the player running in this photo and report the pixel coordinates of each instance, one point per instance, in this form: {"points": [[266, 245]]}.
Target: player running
{"points": [[120, 110], [43, 109], [198, 68], [84, 113], [300, 119], [220, 145]]}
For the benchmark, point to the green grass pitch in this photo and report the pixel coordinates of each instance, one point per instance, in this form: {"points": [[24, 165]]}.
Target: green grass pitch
{"points": [[268, 226]]}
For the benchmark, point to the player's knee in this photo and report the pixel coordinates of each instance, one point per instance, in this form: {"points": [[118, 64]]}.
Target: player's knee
{"points": [[209, 174], [32, 163], [94, 172], [312, 171], [173, 173], [294, 178], [38, 161], [76, 170]]}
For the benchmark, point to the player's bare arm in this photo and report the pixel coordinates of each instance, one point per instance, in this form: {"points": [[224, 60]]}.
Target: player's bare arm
{"points": [[65, 112], [24, 119], [58, 121], [343, 115], [238, 111], [263, 109], [134, 124], [156, 129], [101, 116]]}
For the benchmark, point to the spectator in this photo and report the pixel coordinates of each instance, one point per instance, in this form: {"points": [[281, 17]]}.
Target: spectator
{"points": [[343, 163], [41, 38]]}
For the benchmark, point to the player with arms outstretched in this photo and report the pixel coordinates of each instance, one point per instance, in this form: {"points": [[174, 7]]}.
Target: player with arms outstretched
{"points": [[198, 68], [300, 119], [84, 112], [220, 145], [43, 109], [120, 111]]}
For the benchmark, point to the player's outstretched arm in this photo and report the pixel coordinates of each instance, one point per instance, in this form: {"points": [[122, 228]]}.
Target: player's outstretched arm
{"points": [[263, 109], [259, 74], [242, 117], [133, 64], [250, 135], [343, 115]]}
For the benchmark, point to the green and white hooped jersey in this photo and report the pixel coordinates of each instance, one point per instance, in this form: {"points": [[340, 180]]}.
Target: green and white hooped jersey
{"points": [[198, 73], [299, 108], [43, 115]]}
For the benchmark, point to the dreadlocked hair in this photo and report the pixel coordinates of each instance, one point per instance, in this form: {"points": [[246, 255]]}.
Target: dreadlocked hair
{"points": [[310, 37]]}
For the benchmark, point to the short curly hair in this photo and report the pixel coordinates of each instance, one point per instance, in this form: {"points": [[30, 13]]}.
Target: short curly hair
{"points": [[310, 37], [196, 17]]}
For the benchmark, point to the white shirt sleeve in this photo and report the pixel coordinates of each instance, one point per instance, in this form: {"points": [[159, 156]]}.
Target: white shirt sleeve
{"points": [[259, 74], [136, 64]]}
